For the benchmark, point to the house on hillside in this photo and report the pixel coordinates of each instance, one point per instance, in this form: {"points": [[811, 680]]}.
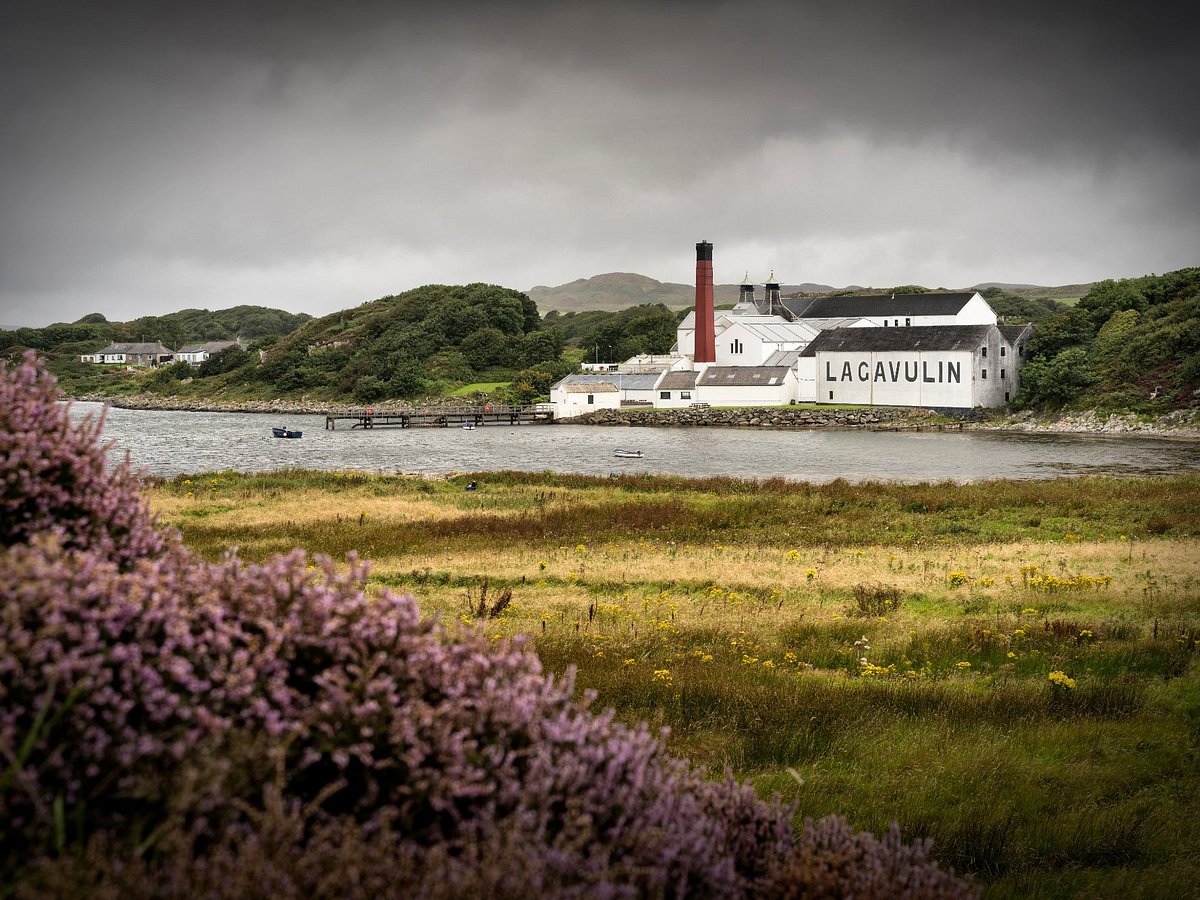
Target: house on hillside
{"points": [[195, 354], [131, 354]]}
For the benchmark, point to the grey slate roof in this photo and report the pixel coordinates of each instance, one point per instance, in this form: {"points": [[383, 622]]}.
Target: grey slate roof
{"points": [[1013, 333], [678, 381], [639, 381], [146, 348], [921, 337], [782, 358], [600, 387], [743, 376], [882, 305]]}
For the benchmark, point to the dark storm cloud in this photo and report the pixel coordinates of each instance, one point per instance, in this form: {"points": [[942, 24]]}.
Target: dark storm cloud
{"points": [[313, 155]]}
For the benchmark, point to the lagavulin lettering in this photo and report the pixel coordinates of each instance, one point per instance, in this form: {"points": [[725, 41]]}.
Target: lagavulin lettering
{"points": [[945, 373]]}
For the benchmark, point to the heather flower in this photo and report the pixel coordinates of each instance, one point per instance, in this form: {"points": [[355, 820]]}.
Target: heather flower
{"points": [[57, 477]]}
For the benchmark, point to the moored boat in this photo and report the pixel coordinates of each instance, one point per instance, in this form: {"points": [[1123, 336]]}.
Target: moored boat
{"points": [[285, 433], [627, 454]]}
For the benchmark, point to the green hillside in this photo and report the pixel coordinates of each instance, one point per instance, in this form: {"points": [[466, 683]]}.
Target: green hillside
{"points": [[1132, 344]]}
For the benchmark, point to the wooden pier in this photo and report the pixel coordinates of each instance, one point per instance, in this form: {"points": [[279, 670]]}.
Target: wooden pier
{"points": [[441, 417]]}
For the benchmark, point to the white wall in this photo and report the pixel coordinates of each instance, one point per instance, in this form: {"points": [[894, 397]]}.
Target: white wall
{"points": [[897, 378], [576, 404]]}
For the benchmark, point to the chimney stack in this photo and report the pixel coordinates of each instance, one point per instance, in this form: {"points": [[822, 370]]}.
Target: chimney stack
{"points": [[706, 338]]}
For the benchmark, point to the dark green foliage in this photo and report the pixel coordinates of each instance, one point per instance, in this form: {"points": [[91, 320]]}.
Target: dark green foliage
{"points": [[1130, 344], [406, 344], [1015, 309], [226, 360], [613, 336]]}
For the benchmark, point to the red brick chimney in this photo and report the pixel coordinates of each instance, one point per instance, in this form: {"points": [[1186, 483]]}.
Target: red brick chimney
{"points": [[706, 337]]}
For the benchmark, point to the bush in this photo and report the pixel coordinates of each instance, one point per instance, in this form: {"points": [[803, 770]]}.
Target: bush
{"points": [[57, 479], [147, 695]]}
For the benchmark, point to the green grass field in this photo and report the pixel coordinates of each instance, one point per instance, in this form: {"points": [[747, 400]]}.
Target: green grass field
{"points": [[480, 387], [1009, 668]]}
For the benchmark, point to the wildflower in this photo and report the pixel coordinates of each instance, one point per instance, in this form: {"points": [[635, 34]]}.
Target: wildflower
{"points": [[627, 662], [580, 548], [793, 555], [1011, 655], [542, 566], [1062, 680], [1029, 611], [810, 573], [663, 675], [963, 665], [958, 579]]}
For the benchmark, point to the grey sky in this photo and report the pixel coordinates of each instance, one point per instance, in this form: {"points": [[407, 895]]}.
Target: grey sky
{"points": [[311, 156]]}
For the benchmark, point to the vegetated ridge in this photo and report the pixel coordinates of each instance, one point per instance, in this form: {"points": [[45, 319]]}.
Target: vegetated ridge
{"points": [[1129, 345]]}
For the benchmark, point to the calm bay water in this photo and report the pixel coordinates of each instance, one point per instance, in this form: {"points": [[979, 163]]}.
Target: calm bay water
{"points": [[174, 443]]}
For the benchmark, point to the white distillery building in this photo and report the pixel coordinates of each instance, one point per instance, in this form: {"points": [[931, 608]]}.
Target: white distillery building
{"points": [[945, 366], [577, 399], [941, 350]]}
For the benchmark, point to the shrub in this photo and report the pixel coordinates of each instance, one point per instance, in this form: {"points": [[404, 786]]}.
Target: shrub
{"points": [[57, 478]]}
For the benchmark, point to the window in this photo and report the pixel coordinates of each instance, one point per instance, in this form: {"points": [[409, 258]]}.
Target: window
{"points": [[591, 398], [908, 323], [1020, 349], [984, 375], [1001, 374], [1002, 350], [1006, 396], [685, 395], [831, 395], [983, 352], [736, 346], [897, 323], [664, 395]]}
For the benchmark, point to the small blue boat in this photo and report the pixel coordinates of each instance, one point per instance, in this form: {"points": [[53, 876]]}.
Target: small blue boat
{"points": [[285, 433]]}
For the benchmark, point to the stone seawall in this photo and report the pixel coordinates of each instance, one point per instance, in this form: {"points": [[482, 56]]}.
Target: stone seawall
{"points": [[191, 404], [763, 417]]}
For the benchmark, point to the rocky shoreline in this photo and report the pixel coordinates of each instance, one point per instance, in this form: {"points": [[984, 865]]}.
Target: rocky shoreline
{"points": [[1184, 424]]}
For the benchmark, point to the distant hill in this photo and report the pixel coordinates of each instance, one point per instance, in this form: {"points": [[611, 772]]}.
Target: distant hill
{"points": [[620, 290]]}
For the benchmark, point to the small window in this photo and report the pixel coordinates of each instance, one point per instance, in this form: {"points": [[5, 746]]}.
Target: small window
{"points": [[897, 323], [1006, 396], [984, 375], [591, 398], [831, 395], [685, 395], [664, 395], [1001, 374], [908, 323], [1002, 353], [1020, 349], [885, 323], [983, 352]]}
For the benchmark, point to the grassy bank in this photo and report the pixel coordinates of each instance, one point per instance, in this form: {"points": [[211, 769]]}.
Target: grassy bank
{"points": [[1008, 668]]}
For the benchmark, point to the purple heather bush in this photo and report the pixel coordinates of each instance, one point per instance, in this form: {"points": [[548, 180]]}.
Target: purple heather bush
{"points": [[57, 478], [193, 724]]}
